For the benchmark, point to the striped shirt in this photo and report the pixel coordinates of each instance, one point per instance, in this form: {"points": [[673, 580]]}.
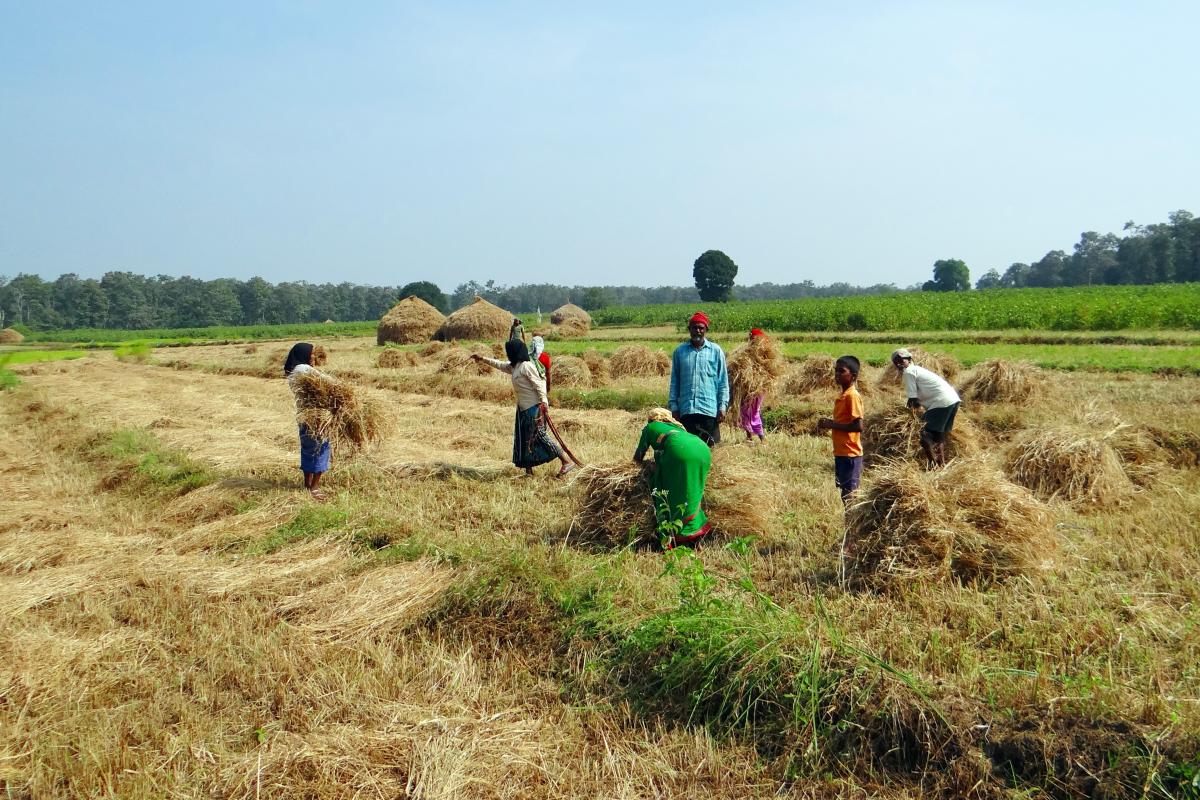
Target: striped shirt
{"points": [[699, 380]]}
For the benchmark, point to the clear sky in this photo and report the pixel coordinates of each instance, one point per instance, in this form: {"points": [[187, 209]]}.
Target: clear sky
{"points": [[598, 143]]}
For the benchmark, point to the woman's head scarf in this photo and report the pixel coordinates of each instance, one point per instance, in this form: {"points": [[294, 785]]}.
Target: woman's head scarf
{"points": [[516, 351], [663, 415], [301, 353], [539, 344]]}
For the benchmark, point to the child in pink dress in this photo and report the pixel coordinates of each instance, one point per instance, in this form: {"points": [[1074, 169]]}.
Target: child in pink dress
{"points": [[751, 409]]}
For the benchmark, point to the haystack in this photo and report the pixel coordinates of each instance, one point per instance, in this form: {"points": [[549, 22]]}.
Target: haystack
{"points": [[568, 329], [613, 501], [597, 364], [1074, 463], [478, 321], [11, 336], [946, 366], [636, 359], [570, 312], [815, 373], [410, 321], [754, 369], [392, 358], [997, 380], [894, 432], [570, 371], [433, 349], [333, 410], [964, 523]]}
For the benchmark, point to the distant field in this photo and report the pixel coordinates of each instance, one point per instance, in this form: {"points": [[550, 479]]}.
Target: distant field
{"points": [[1094, 308], [166, 337]]}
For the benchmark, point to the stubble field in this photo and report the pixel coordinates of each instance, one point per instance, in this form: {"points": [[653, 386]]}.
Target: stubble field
{"points": [[181, 620]]}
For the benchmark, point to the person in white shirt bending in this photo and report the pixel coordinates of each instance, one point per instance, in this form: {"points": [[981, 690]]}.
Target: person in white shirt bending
{"points": [[930, 391]]}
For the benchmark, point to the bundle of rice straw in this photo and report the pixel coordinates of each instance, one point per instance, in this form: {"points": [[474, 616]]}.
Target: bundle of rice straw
{"points": [[1073, 463], [391, 358], [597, 364], [333, 410], [613, 500], [11, 336], [946, 366], [964, 522], [997, 380], [479, 320], [250, 349], [458, 359], [895, 433], [635, 359], [570, 312], [813, 373], [433, 349], [569, 328], [754, 369], [568, 371], [410, 321]]}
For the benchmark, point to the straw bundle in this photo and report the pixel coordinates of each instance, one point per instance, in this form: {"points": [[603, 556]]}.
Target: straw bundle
{"points": [[946, 366], [754, 369], [570, 312], [1072, 463], [597, 365], [895, 433], [814, 373], [391, 358], [964, 522], [334, 411], [636, 359], [11, 336], [570, 371], [433, 349], [410, 321], [997, 380], [458, 359], [250, 349], [479, 320]]}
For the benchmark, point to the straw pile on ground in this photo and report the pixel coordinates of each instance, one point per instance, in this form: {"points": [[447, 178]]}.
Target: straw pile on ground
{"points": [[391, 358], [964, 523], [946, 366], [410, 321], [11, 336], [570, 311], [895, 433], [479, 320], [613, 502], [458, 359], [1000, 381], [814, 373], [1073, 463], [334, 411], [754, 369], [570, 371], [597, 365], [569, 328], [638, 360]]}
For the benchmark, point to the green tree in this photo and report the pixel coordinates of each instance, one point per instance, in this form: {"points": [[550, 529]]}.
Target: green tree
{"points": [[989, 280], [949, 275], [429, 292], [595, 298], [714, 273]]}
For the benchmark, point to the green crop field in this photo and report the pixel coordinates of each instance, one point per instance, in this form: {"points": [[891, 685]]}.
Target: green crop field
{"points": [[1107, 308], [166, 337]]}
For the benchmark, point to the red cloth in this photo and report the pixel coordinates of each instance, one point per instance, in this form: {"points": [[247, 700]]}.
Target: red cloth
{"points": [[700, 317], [756, 332], [544, 358]]}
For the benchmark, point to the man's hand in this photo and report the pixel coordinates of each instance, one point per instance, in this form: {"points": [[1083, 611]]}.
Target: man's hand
{"points": [[824, 423], [914, 403], [720, 416]]}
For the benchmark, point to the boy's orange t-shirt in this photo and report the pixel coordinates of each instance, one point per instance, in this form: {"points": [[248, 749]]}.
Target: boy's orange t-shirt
{"points": [[847, 408]]}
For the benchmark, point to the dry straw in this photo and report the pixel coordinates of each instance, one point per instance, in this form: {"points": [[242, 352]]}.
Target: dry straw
{"points": [[894, 432], [1081, 464], [964, 522], [1000, 381], [459, 359], [568, 329], [410, 321], [597, 365], [570, 311], [11, 336], [391, 358], [334, 411], [477, 321], [638, 360], [814, 373], [754, 369], [570, 371]]}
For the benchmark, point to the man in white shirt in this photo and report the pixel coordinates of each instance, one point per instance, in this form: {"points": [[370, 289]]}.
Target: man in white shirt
{"points": [[930, 391]]}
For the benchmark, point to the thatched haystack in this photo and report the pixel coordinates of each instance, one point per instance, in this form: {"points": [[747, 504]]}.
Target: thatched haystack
{"points": [[570, 311], [568, 329], [392, 358], [410, 321], [946, 366], [11, 336], [458, 359], [613, 501], [335, 411], [1000, 381], [894, 432], [597, 365], [754, 369], [964, 523], [638, 360], [478, 321], [570, 372]]}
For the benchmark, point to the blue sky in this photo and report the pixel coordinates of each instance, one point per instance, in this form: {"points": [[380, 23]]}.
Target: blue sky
{"points": [[585, 143]]}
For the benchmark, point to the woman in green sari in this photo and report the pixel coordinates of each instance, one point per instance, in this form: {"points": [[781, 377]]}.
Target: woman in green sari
{"points": [[681, 464]]}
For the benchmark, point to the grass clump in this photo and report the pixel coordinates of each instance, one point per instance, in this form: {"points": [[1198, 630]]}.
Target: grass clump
{"points": [[310, 522], [142, 460]]}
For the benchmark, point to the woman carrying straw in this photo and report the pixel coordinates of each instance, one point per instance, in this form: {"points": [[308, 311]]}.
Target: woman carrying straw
{"points": [[751, 407], [314, 453], [532, 443], [681, 464]]}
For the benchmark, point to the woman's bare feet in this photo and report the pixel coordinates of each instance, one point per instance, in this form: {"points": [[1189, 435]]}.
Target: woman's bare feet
{"points": [[565, 469]]}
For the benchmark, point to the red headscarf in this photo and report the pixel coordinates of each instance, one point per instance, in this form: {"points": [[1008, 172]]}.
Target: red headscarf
{"points": [[757, 332], [700, 317]]}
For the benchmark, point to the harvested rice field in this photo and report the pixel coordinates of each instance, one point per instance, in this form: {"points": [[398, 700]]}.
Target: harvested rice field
{"points": [[182, 620]]}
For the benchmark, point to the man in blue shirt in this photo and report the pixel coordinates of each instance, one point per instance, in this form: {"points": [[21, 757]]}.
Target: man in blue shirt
{"points": [[699, 383]]}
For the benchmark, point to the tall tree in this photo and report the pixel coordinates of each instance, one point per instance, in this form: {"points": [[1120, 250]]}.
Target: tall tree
{"points": [[949, 275], [989, 280], [714, 273], [429, 292]]}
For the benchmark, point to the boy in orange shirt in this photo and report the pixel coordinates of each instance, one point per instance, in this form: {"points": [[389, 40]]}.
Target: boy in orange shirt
{"points": [[847, 425]]}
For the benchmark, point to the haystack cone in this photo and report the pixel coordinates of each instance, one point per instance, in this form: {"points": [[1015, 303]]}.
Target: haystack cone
{"points": [[569, 311], [11, 336], [410, 321], [479, 320]]}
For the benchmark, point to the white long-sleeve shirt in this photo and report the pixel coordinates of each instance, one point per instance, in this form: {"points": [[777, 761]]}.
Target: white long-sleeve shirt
{"points": [[928, 388], [526, 381]]}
